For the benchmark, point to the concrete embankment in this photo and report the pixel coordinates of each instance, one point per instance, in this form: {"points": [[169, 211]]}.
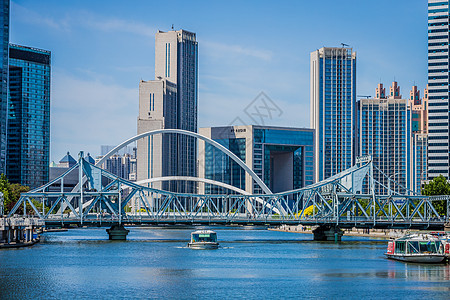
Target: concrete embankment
{"points": [[18, 232], [375, 233]]}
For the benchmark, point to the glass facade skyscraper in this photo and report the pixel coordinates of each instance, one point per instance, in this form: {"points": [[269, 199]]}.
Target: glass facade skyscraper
{"points": [[28, 116], [282, 157], [4, 38], [333, 102], [438, 88], [384, 132]]}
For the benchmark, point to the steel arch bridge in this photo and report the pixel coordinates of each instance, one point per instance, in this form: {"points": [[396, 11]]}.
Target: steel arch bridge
{"points": [[343, 200]]}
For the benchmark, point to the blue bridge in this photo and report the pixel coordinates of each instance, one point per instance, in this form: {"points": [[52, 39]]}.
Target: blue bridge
{"points": [[345, 200]]}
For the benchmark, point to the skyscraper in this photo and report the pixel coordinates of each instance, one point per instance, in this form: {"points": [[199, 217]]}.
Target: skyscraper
{"points": [[438, 88], [384, 132], [170, 101], [28, 151], [4, 37], [283, 157], [419, 127], [333, 102]]}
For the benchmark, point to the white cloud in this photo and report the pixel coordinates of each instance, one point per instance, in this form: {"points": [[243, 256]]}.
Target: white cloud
{"points": [[82, 19], [87, 114], [31, 17], [115, 25]]}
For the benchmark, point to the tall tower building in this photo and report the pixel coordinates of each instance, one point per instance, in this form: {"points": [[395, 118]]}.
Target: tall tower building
{"points": [[419, 127], [333, 102], [384, 131], [170, 101], [28, 151], [4, 37], [438, 88]]}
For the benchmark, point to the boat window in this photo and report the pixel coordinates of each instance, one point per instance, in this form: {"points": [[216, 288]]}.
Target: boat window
{"points": [[400, 247], [429, 247], [413, 247], [204, 237], [423, 247], [195, 237], [438, 247]]}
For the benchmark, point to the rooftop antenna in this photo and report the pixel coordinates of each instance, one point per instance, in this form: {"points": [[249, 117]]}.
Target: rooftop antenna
{"points": [[172, 27]]}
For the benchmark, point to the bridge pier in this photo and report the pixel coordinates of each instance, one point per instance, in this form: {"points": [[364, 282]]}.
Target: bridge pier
{"points": [[18, 231], [117, 232], [327, 233]]}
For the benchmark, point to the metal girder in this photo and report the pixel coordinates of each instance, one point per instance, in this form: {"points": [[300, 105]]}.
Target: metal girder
{"points": [[334, 201]]}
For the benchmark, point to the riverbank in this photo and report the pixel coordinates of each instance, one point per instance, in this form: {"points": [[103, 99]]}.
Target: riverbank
{"points": [[18, 244], [363, 232]]}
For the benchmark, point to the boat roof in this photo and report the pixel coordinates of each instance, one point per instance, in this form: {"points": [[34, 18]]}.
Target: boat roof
{"points": [[203, 231], [418, 237]]}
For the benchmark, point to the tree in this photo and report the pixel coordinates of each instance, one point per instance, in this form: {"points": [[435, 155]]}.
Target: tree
{"points": [[438, 186], [11, 193], [6, 190], [16, 189]]}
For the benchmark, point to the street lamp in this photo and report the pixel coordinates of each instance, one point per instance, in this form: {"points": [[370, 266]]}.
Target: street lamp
{"points": [[389, 182]]}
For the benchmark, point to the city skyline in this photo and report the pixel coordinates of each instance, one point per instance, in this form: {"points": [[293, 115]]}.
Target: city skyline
{"points": [[100, 54]]}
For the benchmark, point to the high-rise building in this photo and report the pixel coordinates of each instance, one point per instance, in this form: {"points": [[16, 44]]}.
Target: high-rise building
{"points": [[384, 132], [170, 102], [122, 163], [333, 102], [438, 88], [4, 49], [419, 127], [282, 157], [28, 136]]}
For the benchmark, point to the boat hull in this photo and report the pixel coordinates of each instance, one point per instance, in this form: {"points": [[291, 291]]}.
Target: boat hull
{"points": [[427, 259], [203, 246]]}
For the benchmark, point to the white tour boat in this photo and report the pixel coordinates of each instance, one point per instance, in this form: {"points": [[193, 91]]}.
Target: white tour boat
{"points": [[203, 239], [416, 247]]}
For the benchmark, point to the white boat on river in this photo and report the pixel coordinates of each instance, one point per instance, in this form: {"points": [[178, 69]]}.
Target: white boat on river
{"points": [[204, 240], [418, 248]]}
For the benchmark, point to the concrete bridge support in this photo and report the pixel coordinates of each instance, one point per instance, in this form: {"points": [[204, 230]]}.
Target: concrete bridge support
{"points": [[327, 233], [117, 232], [18, 231]]}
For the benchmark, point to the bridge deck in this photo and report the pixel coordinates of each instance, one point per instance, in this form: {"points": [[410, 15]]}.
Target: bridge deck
{"points": [[378, 224]]}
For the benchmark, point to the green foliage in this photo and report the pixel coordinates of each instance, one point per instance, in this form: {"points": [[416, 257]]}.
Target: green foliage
{"points": [[11, 193], [438, 186], [6, 190]]}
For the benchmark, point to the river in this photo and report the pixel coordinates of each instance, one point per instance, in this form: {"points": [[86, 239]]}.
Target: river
{"points": [[251, 263]]}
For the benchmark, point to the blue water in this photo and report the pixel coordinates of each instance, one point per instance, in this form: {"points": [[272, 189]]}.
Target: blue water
{"points": [[251, 263]]}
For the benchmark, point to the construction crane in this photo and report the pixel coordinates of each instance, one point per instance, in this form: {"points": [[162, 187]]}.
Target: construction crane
{"points": [[363, 96], [345, 45]]}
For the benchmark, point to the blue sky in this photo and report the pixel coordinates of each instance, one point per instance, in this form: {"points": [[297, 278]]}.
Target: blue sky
{"points": [[101, 49]]}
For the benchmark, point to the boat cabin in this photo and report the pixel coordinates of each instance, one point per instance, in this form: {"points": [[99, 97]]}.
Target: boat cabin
{"points": [[417, 245], [207, 236]]}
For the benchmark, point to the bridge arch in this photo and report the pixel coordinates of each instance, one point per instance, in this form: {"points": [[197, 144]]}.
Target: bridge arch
{"points": [[210, 181], [191, 178], [192, 134]]}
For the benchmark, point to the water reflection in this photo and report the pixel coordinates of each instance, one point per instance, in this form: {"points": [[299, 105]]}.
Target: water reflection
{"points": [[155, 263], [422, 272]]}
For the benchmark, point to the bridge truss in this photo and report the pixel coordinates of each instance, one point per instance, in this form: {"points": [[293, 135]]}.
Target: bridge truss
{"points": [[344, 200]]}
